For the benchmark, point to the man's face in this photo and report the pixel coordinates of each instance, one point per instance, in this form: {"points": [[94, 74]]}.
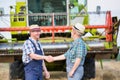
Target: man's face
{"points": [[35, 34], [72, 33]]}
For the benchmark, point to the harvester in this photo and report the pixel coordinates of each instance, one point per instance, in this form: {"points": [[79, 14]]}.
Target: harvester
{"points": [[55, 18]]}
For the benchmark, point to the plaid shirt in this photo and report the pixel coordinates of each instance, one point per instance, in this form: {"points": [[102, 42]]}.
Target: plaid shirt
{"points": [[28, 48], [77, 50]]}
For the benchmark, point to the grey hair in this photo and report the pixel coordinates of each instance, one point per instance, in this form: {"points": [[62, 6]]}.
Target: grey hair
{"points": [[78, 33]]}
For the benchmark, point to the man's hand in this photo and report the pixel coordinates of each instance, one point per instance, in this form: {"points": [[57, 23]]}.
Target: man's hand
{"points": [[47, 74], [71, 73], [49, 58]]}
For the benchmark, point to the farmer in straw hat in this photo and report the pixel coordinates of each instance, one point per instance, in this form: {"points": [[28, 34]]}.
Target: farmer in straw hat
{"points": [[75, 56]]}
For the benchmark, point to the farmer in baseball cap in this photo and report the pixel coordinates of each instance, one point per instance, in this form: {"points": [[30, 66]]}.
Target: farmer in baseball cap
{"points": [[33, 56]]}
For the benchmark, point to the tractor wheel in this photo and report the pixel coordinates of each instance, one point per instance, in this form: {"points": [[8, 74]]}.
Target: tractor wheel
{"points": [[16, 70], [89, 68]]}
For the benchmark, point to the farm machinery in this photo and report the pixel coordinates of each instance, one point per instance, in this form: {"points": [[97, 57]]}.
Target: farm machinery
{"points": [[56, 22]]}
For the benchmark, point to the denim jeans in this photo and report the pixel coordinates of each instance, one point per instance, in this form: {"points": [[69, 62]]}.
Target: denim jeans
{"points": [[78, 74], [30, 75]]}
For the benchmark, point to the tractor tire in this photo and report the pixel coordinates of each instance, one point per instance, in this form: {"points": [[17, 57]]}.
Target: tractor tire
{"points": [[16, 70], [89, 68]]}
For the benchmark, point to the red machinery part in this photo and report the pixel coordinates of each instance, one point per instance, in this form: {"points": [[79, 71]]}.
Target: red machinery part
{"points": [[53, 28]]}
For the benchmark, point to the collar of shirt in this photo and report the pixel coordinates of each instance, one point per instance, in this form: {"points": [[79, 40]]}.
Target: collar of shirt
{"points": [[75, 41], [36, 42]]}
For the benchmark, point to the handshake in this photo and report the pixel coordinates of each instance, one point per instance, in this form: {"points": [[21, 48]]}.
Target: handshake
{"points": [[49, 58]]}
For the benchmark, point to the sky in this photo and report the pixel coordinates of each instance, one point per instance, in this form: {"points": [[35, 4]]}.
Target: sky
{"points": [[112, 5]]}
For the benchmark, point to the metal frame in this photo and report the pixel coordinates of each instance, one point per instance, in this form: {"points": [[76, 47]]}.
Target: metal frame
{"points": [[53, 28]]}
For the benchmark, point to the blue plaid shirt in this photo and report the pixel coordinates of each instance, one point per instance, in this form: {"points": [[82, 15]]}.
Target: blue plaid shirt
{"points": [[77, 50], [28, 48]]}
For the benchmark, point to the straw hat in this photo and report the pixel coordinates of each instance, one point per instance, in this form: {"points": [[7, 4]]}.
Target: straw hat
{"points": [[79, 27]]}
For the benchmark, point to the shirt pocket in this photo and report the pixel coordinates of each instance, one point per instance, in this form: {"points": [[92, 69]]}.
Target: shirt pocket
{"points": [[72, 56]]}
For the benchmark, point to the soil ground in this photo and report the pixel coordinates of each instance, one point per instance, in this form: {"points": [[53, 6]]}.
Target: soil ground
{"points": [[110, 71]]}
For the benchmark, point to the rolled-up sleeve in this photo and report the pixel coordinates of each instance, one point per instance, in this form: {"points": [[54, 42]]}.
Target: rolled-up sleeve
{"points": [[79, 50], [28, 47], [66, 54]]}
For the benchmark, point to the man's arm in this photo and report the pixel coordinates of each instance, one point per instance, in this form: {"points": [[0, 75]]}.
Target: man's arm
{"points": [[47, 74], [36, 56], [57, 58], [40, 57]]}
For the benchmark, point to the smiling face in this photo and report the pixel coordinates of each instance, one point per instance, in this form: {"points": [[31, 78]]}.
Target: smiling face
{"points": [[35, 32], [72, 33]]}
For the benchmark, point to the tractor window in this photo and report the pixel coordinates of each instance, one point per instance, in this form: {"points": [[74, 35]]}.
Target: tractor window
{"points": [[46, 6]]}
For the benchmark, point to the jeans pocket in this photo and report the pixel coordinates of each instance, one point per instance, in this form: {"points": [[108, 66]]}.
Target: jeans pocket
{"points": [[27, 70]]}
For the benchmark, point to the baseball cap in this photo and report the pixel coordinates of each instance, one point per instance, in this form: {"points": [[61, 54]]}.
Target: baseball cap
{"points": [[34, 28], [79, 27]]}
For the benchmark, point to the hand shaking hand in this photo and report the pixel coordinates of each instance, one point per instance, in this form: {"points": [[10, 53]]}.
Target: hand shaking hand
{"points": [[49, 58]]}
